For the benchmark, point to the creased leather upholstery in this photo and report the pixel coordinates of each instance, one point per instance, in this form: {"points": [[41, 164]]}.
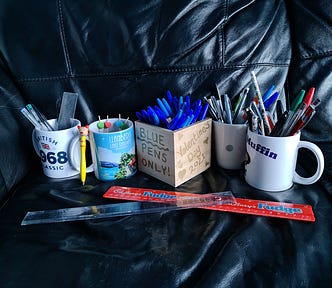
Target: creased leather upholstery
{"points": [[120, 56]]}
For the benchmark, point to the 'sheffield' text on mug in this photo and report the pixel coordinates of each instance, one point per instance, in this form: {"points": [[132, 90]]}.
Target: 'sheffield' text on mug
{"points": [[262, 149]]}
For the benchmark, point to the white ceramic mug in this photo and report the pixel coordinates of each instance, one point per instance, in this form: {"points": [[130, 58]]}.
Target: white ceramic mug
{"points": [[272, 161], [59, 150], [229, 144], [113, 149]]}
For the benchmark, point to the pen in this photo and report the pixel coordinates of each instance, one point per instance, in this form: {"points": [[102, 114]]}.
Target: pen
{"points": [[279, 108], [203, 112], [162, 107], [228, 111], [268, 93], [305, 118], [211, 109], [255, 110], [260, 104], [293, 119], [180, 103], [175, 104], [277, 129], [169, 97], [247, 112], [43, 118], [153, 116], [310, 95], [168, 107], [162, 117], [32, 120], [217, 108], [243, 96], [254, 123], [269, 101], [34, 114], [297, 100], [171, 125], [197, 111], [302, 122]]}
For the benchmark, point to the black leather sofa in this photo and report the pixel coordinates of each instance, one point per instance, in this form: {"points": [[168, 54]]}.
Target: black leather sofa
{"points": [[119, 56]]}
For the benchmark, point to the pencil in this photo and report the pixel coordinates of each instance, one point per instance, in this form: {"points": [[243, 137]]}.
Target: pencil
{"points": [[84, 133]]}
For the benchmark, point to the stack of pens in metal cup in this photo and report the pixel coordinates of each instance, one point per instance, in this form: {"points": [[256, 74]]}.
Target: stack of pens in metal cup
{"points": [[220, 108], [265, 114], [36, 118], [174, 112]]}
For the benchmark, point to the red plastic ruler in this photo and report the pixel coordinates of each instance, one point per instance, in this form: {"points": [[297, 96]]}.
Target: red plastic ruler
{"points": [[245, 206]]}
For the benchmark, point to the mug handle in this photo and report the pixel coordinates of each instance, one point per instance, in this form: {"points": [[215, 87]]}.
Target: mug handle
{"points": [[320, 164], [73, 161]]}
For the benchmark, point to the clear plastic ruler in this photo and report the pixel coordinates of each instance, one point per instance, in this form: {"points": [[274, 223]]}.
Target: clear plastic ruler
{"points": [[128, 208], [291, 211]]}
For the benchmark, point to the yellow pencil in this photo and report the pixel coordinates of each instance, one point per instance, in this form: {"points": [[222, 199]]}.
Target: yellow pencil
{"points": [[84, 132]]}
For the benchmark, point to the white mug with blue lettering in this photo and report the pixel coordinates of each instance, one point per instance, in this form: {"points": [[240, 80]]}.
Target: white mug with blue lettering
{"points": [[271, 163], [113, 149], [59, 150]]}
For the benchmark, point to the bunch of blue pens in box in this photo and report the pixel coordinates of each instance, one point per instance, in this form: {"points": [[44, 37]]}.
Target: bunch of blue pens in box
{"points": [[174, 113]]}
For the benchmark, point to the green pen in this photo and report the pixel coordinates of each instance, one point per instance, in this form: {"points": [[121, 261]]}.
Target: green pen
{"points": [[297, 100]]}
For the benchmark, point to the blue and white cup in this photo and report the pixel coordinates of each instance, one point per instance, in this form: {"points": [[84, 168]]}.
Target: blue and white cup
{"points": [[113, 149], [271, 163]]}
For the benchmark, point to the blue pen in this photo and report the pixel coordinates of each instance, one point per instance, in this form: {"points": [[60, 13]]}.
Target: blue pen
{"points": [[196, 113], [145, 116], [186, 122], [168, 107], [269, 101], [162, 107], [189, 120], [188, 103], [161, 115], [203, 112], [139, 116], [169, 97], [153, 116], [180, 102], [268, 93], [181, 122], [174, 121], [175, 104]]}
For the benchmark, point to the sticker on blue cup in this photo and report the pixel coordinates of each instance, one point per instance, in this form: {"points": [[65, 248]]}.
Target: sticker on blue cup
{"points": [[113, 149]]}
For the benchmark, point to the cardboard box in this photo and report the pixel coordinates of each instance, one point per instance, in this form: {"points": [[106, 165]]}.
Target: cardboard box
{"points": [[173, 156]]}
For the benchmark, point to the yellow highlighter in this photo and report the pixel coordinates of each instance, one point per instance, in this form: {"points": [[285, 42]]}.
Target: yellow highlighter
{"points": [[84, 131]]}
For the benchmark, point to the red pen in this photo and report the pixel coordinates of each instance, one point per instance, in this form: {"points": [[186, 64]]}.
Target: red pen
{"points": [[308, 98], [305, 118]]}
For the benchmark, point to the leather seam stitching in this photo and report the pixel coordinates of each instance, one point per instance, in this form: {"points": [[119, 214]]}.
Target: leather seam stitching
{"points": [[152, 71], [63, 37]]}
